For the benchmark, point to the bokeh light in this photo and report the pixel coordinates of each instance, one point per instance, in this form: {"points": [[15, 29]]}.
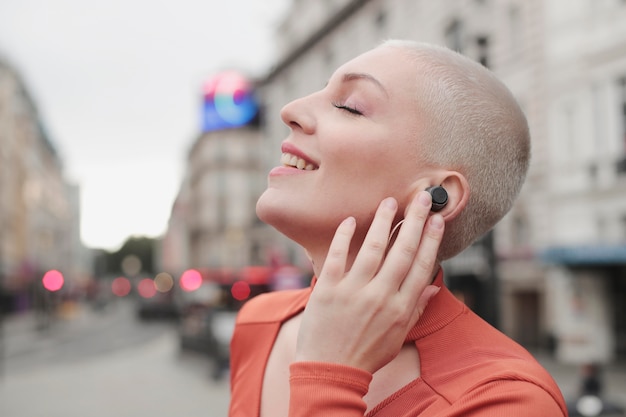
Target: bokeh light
{"points": [[146, 288], [163, 282], [191, 280], [228, 101], [240, 290], [53, 280], [131, 265], [121, 286]]}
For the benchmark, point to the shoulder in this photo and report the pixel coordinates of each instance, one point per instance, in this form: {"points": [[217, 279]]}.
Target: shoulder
{"points": [[273, 306], [483, 363], [522, 380], [509, 397]]}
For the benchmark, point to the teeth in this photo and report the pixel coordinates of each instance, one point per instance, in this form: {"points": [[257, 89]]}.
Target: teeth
{"points": [[293, 161]]}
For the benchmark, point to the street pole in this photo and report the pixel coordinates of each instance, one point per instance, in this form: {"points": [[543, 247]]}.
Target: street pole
{"points": [[492, 287], [2, 347]]}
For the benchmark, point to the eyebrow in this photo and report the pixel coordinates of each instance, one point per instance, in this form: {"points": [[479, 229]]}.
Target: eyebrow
{"points": [[352, 76]]}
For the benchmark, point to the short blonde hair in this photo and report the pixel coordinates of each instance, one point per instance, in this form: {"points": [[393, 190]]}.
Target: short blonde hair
{"points": [[476, 127]]}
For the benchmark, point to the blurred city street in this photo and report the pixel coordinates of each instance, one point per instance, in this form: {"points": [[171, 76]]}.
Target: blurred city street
{"points": [[108, 362], [135, 168], [103, 363]]}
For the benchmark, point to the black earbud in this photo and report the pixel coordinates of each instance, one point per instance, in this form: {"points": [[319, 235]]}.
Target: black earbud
{"points": [[439, 196]]}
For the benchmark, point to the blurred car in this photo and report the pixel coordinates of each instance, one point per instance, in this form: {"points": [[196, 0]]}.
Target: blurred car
{"points": [[208, 330], [195, 331], [209, 312], [159, 307]]}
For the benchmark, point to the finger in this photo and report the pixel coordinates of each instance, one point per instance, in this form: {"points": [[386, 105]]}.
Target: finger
{"points": [[402, 254], [429, 292], [422, 268], [374, 246], [335, 264]]}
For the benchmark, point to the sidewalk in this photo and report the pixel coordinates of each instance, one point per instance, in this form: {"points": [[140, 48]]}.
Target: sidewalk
{"points": [[149, 380], [28, 331]]}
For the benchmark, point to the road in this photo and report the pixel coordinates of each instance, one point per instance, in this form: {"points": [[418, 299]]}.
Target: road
{"points": [[107, 363], [104, 364]]}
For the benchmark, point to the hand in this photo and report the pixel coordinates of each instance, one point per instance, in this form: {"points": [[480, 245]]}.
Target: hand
{"points": [[361, 317]]}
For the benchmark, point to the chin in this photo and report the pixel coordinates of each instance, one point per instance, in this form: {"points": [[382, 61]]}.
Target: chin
{"points": [[270, 211], [283, 217], [262, 211]]}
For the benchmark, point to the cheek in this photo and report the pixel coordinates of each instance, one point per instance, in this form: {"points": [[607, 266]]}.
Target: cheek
{"points": [[361, 155], [357, 190], [369, 166]]}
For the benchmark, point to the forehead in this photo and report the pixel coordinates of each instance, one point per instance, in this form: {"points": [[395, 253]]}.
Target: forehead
{"points": [[392, 67]]}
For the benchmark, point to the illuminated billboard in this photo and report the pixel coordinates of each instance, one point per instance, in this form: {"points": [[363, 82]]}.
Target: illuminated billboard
{"points": [[228, 102]]}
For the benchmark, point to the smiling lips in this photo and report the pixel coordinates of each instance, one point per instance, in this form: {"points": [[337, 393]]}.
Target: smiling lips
{"points": [[290, 160]]}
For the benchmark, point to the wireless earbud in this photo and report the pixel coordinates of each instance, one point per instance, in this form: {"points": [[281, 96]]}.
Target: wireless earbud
{"points": [[439, 196]]}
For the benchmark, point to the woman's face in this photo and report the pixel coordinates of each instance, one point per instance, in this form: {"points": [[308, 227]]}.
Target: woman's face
{"points": [[352, 144]]}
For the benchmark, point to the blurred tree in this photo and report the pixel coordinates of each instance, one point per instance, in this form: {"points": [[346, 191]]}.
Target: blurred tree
{"points": [[140, 246]]}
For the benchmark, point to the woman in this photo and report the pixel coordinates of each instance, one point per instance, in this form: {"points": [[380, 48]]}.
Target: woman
{"points": [[378, 333]]}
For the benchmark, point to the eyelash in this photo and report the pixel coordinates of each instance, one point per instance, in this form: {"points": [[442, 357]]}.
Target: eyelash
{"points": [[350, 110]]}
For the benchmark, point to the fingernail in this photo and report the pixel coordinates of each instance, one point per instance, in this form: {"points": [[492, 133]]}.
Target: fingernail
{"points": [[424, 199], [349, 221], [391, 203], [436, 221], [431, 291]]}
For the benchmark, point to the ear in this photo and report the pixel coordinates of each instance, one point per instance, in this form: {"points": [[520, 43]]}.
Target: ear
{"points": [[458, 194], [456, 186]]}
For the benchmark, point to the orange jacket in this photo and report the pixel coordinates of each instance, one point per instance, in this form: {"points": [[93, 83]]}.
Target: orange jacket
{"points": [[468, 368]]}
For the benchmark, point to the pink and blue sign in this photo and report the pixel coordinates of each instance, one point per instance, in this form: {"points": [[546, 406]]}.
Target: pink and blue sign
{"points": [[228, 102]]}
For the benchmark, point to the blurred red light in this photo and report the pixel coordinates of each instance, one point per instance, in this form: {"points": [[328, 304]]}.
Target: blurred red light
{"points": [[190, 280], [240, 290], [53, 280], [146, 288], [121, 286]]}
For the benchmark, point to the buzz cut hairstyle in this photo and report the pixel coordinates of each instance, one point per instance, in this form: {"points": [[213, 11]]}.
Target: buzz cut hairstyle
{"points": [[476, 127]]}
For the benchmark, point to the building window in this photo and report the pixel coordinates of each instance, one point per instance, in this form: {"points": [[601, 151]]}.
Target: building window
{"points": [[381, 19], [602, 229], [622, 95], [515, 27], [328, 57], [520, 236], [599, 120], [482, 43], [454, 36], [621, 162], [568, 134]]}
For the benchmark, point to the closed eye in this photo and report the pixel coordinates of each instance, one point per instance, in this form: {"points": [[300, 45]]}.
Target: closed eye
{"points": [[351, 110]]}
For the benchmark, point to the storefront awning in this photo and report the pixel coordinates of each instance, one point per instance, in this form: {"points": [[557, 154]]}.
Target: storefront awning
{"points": [[585, 255]]}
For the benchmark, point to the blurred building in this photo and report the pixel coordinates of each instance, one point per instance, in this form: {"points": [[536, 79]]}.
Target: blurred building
{"points": [[173, 248], [213, 225], [225, 178], [558, 259], [39, 209], [582, 238]]}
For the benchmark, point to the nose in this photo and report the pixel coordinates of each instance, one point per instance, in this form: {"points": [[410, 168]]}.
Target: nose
{"points": [[298, 115]]}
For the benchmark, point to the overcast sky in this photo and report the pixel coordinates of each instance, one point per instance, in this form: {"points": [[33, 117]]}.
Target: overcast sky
{"points": [[118, 87]]}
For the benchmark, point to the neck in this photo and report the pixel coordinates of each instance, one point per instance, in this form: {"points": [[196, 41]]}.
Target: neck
{"points": [[318, 259]]}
